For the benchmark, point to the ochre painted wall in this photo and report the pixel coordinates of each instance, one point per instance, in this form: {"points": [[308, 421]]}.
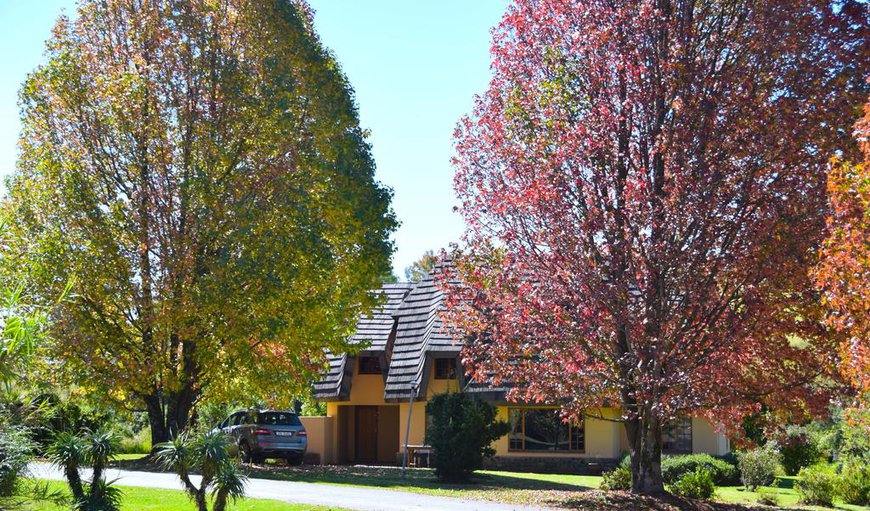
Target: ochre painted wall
{"points": [[706, 439], [320, 437], [602, 438]]}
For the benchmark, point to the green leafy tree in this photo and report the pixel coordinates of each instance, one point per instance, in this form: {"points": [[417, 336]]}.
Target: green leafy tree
{"points": [[421, 267], [462, 431], [201, 167]]}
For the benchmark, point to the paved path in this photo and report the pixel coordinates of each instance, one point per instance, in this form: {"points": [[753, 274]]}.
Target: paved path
{"points": [[351, 497]]}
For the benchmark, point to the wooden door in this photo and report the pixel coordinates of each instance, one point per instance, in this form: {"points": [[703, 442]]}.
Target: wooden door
{"points": [[366, 433]]}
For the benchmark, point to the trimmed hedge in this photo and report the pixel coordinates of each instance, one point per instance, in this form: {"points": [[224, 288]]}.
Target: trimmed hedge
{"points": [[723, 473]]}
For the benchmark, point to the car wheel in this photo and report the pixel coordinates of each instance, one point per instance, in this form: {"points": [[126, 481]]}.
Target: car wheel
{"points": [[245, 452], [294, 460], [259, 460]]}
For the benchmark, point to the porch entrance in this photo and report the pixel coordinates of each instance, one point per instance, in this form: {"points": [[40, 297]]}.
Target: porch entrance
{"points": [[368, 434]]}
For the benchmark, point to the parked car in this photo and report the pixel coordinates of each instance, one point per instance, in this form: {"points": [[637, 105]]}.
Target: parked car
{"points": [[261, 434]]}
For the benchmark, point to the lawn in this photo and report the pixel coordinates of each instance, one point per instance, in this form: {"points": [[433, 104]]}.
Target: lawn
{"points": [[150, 499], [553, 490]]}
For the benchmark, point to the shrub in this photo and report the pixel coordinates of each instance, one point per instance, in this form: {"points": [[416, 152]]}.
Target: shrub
{"points": [[140, 443], [695, 485], [93, 449], [618, 479], [463, 428], [207, 455], [853, 485], [674, 467], [768, 497], [798, 450], [758, 466], [16, 450], [816, 486]]}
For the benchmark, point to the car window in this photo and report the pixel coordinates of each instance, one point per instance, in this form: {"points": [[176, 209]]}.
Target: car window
{"points": [[236, 419], [223, 423], [278, 419]]}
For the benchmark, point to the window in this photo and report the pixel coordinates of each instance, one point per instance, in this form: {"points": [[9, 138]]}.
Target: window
{"points": [[542, 429], [369, 365], [445, 368], [677, 436], [278, 419], [238, 419]]}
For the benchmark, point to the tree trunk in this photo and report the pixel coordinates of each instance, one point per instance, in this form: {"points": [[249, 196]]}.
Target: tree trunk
{"points": [[645, 444], [169, 413]]}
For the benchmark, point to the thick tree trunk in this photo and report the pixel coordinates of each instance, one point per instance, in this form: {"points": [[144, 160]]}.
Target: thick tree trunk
{"points": [[645, 444], [169, 413]]}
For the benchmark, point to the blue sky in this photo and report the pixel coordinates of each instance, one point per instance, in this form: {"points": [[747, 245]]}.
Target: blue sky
{"points": [[415, 67]]}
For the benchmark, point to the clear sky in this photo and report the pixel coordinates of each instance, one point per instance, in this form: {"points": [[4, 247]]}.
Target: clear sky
{"points": [[415, 67]]}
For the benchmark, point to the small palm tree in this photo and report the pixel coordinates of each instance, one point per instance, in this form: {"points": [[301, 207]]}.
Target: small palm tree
{"points": [[207, 454], [92, 449]]}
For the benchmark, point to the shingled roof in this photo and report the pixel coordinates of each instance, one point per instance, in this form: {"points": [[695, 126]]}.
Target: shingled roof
{"points": [[412, 314], [373, 330]]}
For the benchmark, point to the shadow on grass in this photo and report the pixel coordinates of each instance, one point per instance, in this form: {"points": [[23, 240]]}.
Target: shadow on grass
{"points": [[391, 477]]}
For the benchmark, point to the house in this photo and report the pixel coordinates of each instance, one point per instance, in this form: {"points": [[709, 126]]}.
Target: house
{"points": [[409, 357]]}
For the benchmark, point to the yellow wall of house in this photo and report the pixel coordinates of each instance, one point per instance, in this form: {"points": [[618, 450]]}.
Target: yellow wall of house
{"points": [[706, 439], [417, 434], [320, 437], [602, 438], [367, 389]]}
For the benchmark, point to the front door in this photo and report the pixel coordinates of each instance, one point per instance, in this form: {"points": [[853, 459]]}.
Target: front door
{"points": [[366, 433]]}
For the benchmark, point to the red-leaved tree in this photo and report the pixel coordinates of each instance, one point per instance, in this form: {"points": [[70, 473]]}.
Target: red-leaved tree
{"points": [[644, 190], [844, 270]]}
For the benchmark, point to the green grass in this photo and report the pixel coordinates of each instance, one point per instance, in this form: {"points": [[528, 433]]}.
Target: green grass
{"points": [[787, 496], [129, 457], [552, 490], [150, 499]]}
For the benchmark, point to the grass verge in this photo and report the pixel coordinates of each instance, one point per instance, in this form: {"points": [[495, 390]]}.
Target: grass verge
{"points": [[152, 499]]}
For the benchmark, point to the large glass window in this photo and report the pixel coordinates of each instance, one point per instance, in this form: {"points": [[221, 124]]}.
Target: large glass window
{"points": [[677, 436], [543, 429]]}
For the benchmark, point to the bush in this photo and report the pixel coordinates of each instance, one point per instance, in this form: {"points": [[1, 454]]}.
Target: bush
{"points": [[618, 479], [674, 467], [758, 467], [205, 454], [816, 486], [140, 443], [71, 453], [694, 485], [853, 485], [463, 428], [768, 497], [798, 450], [16, 450]]}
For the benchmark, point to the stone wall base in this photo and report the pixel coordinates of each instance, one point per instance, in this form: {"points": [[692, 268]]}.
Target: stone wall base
{"points": [[548, 465]]}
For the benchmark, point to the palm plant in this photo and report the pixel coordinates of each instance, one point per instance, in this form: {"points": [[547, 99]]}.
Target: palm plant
{"points": [[207, 454], [93, 449]]}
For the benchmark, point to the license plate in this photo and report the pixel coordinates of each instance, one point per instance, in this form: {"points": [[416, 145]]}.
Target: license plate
{"points": [[283, 433]]}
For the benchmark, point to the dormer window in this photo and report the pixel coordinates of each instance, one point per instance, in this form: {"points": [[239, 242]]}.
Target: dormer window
{"points": [[445, 368], [369, 365]]}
